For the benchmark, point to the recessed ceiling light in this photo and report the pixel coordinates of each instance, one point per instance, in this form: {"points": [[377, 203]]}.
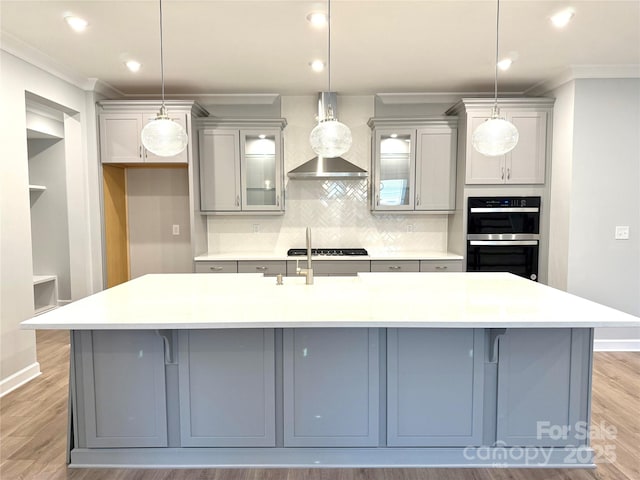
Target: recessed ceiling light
{"points": [[133, 66], [262, 136], [562, 18], [394, 135], [317, 19], [317, 65], [505, 64], [76, 23]]}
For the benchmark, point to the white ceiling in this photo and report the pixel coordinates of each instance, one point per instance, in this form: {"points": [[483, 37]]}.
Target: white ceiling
{"points": [[265, 46]]}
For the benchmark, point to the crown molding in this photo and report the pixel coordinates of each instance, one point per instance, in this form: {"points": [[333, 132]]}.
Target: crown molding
{"points": [[219, 98], [418, 98], [578, 72], [16, 47]]}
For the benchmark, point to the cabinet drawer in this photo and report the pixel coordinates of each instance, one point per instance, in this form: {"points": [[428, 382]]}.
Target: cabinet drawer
{"points": [[332, 268], [216, 267], [440, 265], [269, 268], [395, 266]]}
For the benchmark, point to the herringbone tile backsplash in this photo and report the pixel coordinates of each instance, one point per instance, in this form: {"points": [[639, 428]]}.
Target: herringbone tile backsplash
{"points": [[338, 213]]}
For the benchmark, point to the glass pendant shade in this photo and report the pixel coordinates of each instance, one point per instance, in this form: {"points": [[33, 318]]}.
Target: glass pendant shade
{"points": [[330, 138], [164, 137], [494, 137]]}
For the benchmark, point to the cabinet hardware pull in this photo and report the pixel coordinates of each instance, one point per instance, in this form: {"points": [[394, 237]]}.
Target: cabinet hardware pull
{"points": [[146, 153], [502, 176], [441, 267], [508, 173], [418, 199], [215, 269], [394, 267], [278, 201], [237, 200], [140, 151], [377, 200], [261, 268]]}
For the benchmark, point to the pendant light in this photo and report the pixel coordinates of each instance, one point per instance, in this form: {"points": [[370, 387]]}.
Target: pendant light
{"points": [[330, 138], [162, 136], [496, 136]]}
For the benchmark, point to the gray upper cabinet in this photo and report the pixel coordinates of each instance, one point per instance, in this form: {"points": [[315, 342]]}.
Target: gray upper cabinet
{"points": [[435, 387], [120, 376], [331, 393], [414, 164], [540, 413], [241, 166], [526, 163], [227, 388], [121, 123]]}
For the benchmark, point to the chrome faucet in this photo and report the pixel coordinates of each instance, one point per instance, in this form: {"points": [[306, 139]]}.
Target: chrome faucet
{"points": [[307, 272]]}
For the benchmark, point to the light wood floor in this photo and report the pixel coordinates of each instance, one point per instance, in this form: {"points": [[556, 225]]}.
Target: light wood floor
{"points": [[33, 433]]}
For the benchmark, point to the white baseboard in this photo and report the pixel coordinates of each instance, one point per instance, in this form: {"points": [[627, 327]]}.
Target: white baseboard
{"points": [[18, 379], [613, 345]]}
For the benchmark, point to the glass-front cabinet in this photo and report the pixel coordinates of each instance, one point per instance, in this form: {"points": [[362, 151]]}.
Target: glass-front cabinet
{"points": [[241, 166], [394, 175], [414, 164], [260, 169]]}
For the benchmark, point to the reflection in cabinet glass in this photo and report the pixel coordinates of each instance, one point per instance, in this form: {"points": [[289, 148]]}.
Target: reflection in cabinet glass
{"points": [[395, 169]]}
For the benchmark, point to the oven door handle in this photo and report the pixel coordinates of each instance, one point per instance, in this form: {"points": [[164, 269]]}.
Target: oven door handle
{"points": [[502, 243], [504, 209]]}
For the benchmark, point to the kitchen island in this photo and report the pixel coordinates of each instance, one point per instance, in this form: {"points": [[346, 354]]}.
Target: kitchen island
{"points": [[383, 370]]}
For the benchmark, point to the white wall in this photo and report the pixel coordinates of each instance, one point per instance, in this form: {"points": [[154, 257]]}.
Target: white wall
{"points": [[157, 199], [17, 347], [337, 210], [596, 186]]}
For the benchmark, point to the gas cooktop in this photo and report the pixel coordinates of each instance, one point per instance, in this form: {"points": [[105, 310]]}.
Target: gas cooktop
{"points": [[333, 252]]}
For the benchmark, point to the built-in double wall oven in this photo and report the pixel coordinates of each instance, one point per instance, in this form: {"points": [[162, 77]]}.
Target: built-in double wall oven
{"points": [[503, 235]]}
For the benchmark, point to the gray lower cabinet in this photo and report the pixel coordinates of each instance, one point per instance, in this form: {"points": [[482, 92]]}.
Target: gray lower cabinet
{"points": [[543, 386], [395, 266], [332, 268], [227, 388], [120, 384], [269, 268], [331, 387], [434, 387], [216, 267], [441, 265]]}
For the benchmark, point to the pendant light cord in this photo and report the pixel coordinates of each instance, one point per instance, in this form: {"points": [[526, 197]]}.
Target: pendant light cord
{"points": [[495, 105], [161, 56], [329, 42]]}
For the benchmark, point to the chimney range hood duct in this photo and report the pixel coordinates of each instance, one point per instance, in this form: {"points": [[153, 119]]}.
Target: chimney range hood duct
{"points": [[322, 167]]}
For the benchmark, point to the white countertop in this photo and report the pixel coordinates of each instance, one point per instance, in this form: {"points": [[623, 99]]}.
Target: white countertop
{"points": [[373, 255], [437, 300]]}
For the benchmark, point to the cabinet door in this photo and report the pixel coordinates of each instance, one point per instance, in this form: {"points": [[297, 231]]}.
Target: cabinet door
{"points": [[434, 386], [122, 387], [332, 268], [269, 268], [543, 386], [440, 265], [182, 157], [436, 169], [395, 266], [216, 267], [219, 170], [482, 169], [227, 388], [526, 162], [261, 169], [120, 138], [331, 378], [394, 169]]}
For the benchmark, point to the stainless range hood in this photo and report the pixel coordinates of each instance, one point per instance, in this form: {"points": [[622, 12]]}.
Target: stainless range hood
{"points": [[322, 167]]}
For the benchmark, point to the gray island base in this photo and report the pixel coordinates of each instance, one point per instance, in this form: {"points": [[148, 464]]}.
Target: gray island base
{"points": [[214, 388]]}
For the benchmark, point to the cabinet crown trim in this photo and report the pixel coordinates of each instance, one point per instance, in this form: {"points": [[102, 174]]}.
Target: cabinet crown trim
{"points": [[225, 122], [144, 106], [448, 121], [470, 104]]}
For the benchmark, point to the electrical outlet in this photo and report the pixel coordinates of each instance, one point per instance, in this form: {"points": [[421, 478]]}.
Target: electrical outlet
{"points": [[622, 232], [175, 229], [255, 227], [410, 228]]}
